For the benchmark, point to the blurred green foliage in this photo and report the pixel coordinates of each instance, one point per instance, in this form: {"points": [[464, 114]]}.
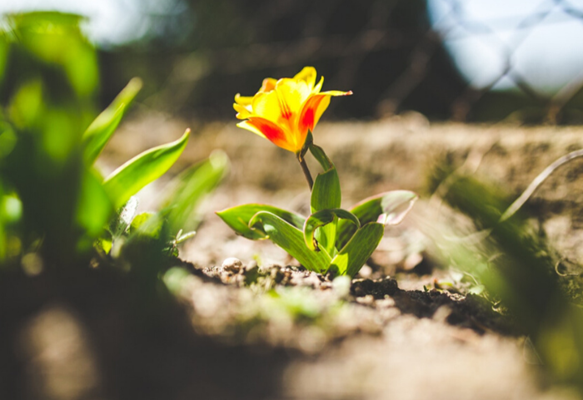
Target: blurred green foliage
{"points": [[517, 266], [52, 200]]}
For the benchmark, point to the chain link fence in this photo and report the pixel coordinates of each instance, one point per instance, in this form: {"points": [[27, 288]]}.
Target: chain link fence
{"points": [[393, 54]]}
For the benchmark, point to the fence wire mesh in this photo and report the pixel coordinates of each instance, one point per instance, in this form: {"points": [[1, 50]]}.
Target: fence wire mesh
{"points": [[394, 54]]}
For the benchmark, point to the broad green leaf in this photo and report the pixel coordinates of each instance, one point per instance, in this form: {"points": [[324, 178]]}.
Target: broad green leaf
{"points": [[394, 204], [143, 169], [322, 218], [321, 157], [360, 247], [102, 128], [326, 191], [238, 219], [291, 239], [93, 210], [193, 185], [326, 195]]}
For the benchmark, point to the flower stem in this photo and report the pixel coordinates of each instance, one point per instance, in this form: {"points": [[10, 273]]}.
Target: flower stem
{"points": [[306, 171]]}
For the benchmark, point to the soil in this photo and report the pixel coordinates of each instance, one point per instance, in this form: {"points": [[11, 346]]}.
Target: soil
{"points": [[247, 322]]}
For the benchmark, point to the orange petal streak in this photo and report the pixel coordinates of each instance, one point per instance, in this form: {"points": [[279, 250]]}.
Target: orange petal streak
{"points": [[272, 132], [309, 117]]}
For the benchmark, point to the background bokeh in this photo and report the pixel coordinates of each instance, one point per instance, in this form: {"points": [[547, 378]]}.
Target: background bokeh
{"points": [[474, 60]]}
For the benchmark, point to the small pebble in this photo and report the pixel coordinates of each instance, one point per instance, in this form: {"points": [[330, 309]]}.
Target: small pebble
{"points": [[365, 271], [341, 286], [232, 264]]}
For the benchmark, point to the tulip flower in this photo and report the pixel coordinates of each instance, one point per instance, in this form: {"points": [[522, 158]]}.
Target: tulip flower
{"points": [[331, 239], [284, 111]]}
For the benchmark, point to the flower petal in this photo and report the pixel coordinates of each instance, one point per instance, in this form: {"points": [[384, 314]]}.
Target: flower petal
{"points": [[312, 111], [243, 100], [337, 93], [319, 86], [267, 105], [242, 111], [272, 132], [268, 85], [250, 127], [292, 94], [307, 75]]}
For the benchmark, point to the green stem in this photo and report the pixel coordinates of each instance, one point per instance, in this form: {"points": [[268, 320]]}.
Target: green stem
{"points": [[306, 171]]}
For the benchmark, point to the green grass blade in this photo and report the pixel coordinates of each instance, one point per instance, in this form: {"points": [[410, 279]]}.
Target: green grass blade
{"points": [[291, 239], [360, 247], [238, 219], [102, 128], [193, 185], [143, 169]]}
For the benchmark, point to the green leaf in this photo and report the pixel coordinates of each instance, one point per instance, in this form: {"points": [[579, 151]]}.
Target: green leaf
{"points": [[360, 247], [238, 219], [326, 195], [321, 157], [394, 204], [140, 220], [102, 128], [290, 239], [193, 185], [326, 191], [148, 224], [322, 218], [2, 225], [143, 169], [93, 210]]}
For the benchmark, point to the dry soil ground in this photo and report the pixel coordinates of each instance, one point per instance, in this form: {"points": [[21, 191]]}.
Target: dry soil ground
{"points": [[279, 332]]}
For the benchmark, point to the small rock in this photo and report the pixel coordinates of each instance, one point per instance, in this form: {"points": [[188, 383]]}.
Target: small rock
{"points": [[365, 300], [365, 271], [232, 264], [341, 286]]}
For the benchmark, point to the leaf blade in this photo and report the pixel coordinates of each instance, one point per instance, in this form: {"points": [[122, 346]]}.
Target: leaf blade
{"points": [[322, 218], [238, 218], [143, 169], [353, 256], [371, 208], [291, 239], [326, 195], [193, 185], [102, 128]]}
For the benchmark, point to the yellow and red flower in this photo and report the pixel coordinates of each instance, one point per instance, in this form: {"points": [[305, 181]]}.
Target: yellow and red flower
{"points": [[283, 111]]}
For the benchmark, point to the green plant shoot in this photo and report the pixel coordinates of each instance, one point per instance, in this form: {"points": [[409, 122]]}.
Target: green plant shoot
{"points": [[331, 239]]}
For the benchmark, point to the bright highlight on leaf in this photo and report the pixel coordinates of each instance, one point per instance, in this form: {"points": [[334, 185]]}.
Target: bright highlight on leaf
{"points": [[283, 111]]}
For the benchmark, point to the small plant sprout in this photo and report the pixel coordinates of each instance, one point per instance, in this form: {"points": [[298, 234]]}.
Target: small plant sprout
{"points": [[331, 239]]}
